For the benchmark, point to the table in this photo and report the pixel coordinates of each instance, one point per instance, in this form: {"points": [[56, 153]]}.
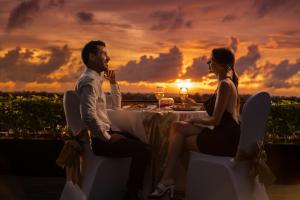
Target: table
{"points": [[132, 121], [151, 127]]}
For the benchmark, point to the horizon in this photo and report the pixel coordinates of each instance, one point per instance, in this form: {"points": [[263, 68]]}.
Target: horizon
{"points": [[146, 93], [149, 46]]}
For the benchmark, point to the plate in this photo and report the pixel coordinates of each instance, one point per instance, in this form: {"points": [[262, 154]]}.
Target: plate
{"points": [[180, 108]]}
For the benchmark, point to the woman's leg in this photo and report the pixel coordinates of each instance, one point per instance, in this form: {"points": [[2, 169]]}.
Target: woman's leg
{"points": [[178, 133], [191, 143]]}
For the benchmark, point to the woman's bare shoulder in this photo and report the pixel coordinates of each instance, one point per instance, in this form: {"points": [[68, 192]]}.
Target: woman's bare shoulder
{"points": [[224, 85]]}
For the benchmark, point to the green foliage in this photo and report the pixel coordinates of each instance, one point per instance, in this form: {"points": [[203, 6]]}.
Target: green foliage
{"points": [[32, 116], [284, 121]]}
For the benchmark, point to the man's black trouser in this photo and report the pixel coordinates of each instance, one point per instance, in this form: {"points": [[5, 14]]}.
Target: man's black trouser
{"points": [[129, 147]]}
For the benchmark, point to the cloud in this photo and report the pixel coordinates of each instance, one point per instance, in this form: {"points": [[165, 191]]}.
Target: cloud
{"points": [[248, 61], [114, 25], [15, 64], [233, 44], [23, 14], [277, 76], [55, 4], [89, 17], [165, 67], [85, 17], [229, 18], [58, 57], [265, 7], [286, 40], [170, 20], [27, 11], [198, 69]]}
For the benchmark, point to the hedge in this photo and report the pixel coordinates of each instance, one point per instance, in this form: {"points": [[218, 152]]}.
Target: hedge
{"points": [[34, 116]]}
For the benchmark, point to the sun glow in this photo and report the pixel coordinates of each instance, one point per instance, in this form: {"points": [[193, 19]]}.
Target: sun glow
{"points": [[180, 83]]}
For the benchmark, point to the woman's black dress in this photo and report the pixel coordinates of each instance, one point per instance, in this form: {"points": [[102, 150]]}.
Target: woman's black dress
{"points": [[224, 138]]}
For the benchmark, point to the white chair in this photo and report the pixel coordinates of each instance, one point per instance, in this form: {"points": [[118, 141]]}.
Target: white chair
{"points": [[102, 177], [222, 178], [72, 192]]}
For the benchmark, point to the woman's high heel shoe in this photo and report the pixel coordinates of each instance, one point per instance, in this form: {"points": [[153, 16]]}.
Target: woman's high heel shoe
{"points": [[162, 190]]}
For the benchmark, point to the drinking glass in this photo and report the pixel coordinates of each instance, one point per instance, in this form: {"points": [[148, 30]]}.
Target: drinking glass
{"points": [[183, 94], [159, 94]]}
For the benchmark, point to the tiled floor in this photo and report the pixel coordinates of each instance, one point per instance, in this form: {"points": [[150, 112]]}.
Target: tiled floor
{"points": [[49, 188]]}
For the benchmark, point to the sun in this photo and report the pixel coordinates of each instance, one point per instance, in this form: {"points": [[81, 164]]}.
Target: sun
{"points": [[184, 83]]}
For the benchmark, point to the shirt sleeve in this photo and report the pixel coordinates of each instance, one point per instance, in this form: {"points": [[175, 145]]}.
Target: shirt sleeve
{"points": [[88, 102], [116, 96]]}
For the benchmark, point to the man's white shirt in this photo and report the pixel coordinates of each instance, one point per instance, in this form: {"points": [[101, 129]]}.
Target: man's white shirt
{"points": [[93, 102]]}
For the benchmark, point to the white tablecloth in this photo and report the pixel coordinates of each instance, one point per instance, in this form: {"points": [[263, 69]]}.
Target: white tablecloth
{"points": [[156, 134], [131, 121]]}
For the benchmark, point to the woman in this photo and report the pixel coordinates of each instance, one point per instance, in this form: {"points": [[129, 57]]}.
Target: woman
{"points": [[223, 111]]}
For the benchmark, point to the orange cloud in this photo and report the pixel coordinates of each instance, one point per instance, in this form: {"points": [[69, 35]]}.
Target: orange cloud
{"points": [[7, 86]]}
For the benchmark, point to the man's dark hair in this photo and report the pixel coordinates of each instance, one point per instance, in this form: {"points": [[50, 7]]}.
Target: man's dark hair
{"points": [[90, 47]]}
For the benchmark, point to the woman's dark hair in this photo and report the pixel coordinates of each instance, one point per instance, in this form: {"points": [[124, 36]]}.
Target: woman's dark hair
{"points": [[226, 58], [90, 47]]}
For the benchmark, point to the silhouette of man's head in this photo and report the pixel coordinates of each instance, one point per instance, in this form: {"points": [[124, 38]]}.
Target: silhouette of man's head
{"points": [[94, 56]]}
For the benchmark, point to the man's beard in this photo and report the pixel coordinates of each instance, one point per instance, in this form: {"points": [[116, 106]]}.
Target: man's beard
{"points": [[103, 67]]}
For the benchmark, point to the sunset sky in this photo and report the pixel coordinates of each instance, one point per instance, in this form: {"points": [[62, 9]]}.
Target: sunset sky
{"points": [[150, 42]]}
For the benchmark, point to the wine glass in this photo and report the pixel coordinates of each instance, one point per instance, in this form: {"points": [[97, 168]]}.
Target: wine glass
{"points": [[183, 94], [159, 94]]}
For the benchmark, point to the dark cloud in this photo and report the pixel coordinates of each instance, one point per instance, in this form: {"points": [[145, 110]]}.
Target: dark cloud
{"points": [[165, 67], [114, 25], [291, 32], [75, 68], [170, 20], [287, 41], [59, 56], [134, 5], [55, 3], [88, 17], [23, 14], [85, 16], [189, 24], [265, 7], [276, 76], [14, 65], [233, 44], [248, 61], [26, 12], [229, 18], [198, 69]]}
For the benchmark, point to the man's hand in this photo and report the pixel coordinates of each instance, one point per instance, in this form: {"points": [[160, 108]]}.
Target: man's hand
{"points": [[110, 76], [116, 137]]}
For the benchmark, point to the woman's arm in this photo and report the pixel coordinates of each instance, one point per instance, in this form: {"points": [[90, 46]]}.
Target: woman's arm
{"points": [[223, 95]]}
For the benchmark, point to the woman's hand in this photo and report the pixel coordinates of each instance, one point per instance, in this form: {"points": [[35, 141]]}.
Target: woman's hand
{"points": [[190, 101], [193, 120]]}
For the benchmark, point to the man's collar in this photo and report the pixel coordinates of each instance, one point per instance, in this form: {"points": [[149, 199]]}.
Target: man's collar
{"points": [[93, 73]]}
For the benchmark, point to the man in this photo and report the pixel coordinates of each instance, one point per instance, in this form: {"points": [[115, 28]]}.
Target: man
{"points": [[104, 141]]}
